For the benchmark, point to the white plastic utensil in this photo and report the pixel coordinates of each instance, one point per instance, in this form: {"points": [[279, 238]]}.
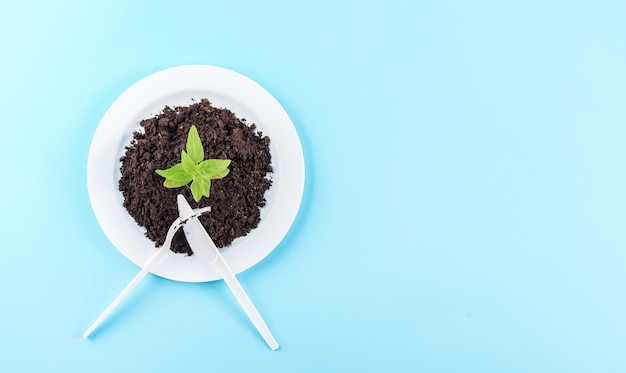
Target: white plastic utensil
{"points": [[144, 271], [204, 248]]}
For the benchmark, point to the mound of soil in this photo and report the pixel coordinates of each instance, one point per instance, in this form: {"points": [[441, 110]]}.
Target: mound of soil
{"points": [[235, 200]]}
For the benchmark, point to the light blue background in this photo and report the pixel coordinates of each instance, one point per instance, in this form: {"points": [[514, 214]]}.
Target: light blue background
{"points": [[465, 201]]}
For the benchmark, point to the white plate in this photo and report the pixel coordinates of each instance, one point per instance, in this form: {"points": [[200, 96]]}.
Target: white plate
{"points": [[175, 87]]}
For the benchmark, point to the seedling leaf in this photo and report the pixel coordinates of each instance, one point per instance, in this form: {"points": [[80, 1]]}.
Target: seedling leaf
{"points": [[169, 183], [176, 173], [199, 188], [220, 174], [188, 164], [194, 145], [213, 167]]}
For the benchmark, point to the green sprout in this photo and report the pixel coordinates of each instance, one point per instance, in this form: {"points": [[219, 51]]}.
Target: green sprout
{"points": [[194, 169]]}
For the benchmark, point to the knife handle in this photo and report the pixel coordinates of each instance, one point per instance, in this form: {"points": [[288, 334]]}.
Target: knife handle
{"points": [[245, 302]]}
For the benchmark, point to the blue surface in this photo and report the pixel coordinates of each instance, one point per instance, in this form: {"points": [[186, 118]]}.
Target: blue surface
{"points": [[465, 202]]}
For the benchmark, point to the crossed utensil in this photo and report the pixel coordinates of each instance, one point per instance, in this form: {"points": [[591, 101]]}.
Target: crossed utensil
{"points": [[204, 248]]}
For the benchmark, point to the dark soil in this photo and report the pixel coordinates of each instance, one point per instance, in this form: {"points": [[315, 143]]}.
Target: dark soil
{"points": [[235, 200]]}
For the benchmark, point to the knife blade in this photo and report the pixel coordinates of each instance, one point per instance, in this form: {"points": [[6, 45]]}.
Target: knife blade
{"points": [[204, 248]]}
